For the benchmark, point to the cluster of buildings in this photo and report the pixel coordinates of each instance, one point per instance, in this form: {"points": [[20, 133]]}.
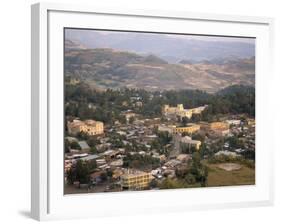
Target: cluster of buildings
{"points": [[128, 115], [112, 159], [219, 128], [137, 137], [180, 111]]}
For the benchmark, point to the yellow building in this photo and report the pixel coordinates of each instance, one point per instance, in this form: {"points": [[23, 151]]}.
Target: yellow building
{"points": [[167, 109], [190, 129], [198, 110], [135, 180], [251, 121], [177, 111], [89, 127], [180, 111], [219, 126]]}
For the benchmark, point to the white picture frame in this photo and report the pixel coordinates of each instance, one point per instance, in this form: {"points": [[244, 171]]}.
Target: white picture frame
{"points": [[48, 201]]}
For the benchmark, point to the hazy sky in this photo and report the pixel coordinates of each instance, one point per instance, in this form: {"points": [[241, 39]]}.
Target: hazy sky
{"points": [[170, 47], [215, 38], [180, 36]]}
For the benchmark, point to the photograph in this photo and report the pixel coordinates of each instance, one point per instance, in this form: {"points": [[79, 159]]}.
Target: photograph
{"points": [[155, 110]]}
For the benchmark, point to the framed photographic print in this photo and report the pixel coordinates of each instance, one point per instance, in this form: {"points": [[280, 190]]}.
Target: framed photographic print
{"points": [[148, 111]]}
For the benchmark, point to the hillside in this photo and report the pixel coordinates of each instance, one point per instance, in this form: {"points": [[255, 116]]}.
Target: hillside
{"points": [[109, 68]]}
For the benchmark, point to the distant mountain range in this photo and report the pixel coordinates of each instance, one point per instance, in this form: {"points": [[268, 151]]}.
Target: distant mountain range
{"points": [[167, 47], [70, 45], [109, 68]]}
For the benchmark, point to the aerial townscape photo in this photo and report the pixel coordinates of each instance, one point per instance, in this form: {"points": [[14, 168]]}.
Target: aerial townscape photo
{"points": [[153, 111]]}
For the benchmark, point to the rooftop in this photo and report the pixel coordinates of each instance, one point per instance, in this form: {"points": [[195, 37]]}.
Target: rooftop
{"points": [[90, 157], [133, 173], [83, 145]]}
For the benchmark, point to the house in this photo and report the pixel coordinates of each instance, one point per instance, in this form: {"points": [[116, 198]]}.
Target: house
{"points": [[117, 163], [172, 163], [74, 151], [142, 153], [117, 173], [100, 162], [67, 165], [128, 115], [111, 154], [78, 156], [71, 139], [226, 153], [156, 172], [102, 147], [121, 133], [233, 122], [184, 157], [84, 146], [219, 126], [164, 128], [162, 158], [90, 157], [170, 173], [150, 138]]}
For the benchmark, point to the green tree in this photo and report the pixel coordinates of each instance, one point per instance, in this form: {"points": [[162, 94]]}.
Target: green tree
{"points": [[66, 146], [75, 145], [153, 183], [92, 165], [93, 150], [82, 172], [79, 172], [93, 141], [190, 179]]}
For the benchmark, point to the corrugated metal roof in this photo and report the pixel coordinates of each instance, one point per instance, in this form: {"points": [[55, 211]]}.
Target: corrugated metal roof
{"points": [[83, 145]]}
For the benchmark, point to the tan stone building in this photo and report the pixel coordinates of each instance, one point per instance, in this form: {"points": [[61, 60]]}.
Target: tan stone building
{"points": [[190, 129], [191, 143], [135, 180], [180, 111], [173, 129], [219, 125], [89, 127], [177, 111], [251, 121], [219, 128]]}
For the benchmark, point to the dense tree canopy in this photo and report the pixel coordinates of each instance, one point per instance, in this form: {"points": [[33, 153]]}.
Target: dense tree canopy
{"points": [[85, 102]]}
